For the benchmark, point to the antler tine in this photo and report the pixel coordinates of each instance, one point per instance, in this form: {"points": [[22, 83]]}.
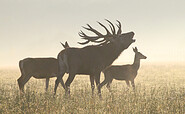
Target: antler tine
{"points": [[84, 36], [99, 41], [108, 33], [119, 27], [86, 27], [86, 42], [96, 39], [83, 43], [93, 30], [112, 27]]}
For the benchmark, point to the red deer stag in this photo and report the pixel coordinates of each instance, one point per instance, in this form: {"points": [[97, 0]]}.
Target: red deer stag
{"points": [[91, 60], [38, 68], [124, 72]]}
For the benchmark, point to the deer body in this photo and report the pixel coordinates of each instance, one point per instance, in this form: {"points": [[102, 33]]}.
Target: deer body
{"points": [[91, 60], [123, 72], [39, 68], [83, 63]]}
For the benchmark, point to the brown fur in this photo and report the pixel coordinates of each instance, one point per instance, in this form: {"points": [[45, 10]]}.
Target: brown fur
{"points": [[123, 72], [39, 68], [91, 60]]}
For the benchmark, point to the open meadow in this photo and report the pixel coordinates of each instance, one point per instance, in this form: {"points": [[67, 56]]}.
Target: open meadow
{"points": [[159, 89]]}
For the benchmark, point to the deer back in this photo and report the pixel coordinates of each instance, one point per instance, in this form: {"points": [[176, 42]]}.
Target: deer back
{"points": [[39, 67]]}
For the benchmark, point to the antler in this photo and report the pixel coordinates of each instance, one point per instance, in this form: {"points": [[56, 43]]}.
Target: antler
{"points": [[93, 30], [111, 27], [95, 39], [119, 27], [108, 33], [90, 38]]}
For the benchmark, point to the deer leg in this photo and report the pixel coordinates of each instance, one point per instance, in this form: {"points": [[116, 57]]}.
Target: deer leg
{"points": [[104, 82], [24, 81], [62, 83], [92, 84], [59, 80], [68, 82], [60, 74], [21, 86], [108, 85], [97, 80], [133, 84], [47, 83], [128, 84]]}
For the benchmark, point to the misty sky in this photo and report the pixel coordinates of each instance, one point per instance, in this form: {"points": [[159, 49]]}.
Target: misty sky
{"points": [[34, 28]]}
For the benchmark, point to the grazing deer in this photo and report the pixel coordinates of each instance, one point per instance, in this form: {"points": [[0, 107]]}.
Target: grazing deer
{"points": [[124, 72], [38, 68], [91, 60]]}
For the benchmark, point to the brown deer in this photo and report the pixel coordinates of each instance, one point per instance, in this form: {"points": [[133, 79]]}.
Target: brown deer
{"points": [[124, 72], [39, 68], [91, 60]]}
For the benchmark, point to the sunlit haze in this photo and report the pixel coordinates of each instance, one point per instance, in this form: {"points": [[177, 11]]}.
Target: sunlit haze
{"points": [[35, 28]]}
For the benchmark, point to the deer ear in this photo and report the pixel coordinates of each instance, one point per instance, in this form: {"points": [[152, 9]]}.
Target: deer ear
{"points": [[66, 44], [136, 49], [62, 44]]}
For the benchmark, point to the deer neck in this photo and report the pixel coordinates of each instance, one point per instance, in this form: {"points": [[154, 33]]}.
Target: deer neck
{"points": [[111, 52], [136, 63]]}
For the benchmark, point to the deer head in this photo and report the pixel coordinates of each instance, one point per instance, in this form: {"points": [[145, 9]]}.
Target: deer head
{"points": [[138, 54], [120, 39]]}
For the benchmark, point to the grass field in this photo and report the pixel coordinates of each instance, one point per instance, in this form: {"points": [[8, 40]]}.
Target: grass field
{"points": [[159, 89]]}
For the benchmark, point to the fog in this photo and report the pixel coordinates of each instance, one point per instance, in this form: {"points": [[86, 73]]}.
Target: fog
{"points": [[35, 28]]}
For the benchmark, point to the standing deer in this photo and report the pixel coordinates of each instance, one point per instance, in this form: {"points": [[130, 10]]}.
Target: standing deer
{"points": [[38, 68], [91, 60], [124, 72]]}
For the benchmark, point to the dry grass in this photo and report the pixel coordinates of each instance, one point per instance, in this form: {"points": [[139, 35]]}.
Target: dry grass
{"points": [[159, 89]]}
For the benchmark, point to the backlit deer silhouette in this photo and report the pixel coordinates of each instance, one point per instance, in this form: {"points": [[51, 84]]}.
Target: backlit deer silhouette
{"points": [[91, 60], [40, 68], [123, 72]]}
